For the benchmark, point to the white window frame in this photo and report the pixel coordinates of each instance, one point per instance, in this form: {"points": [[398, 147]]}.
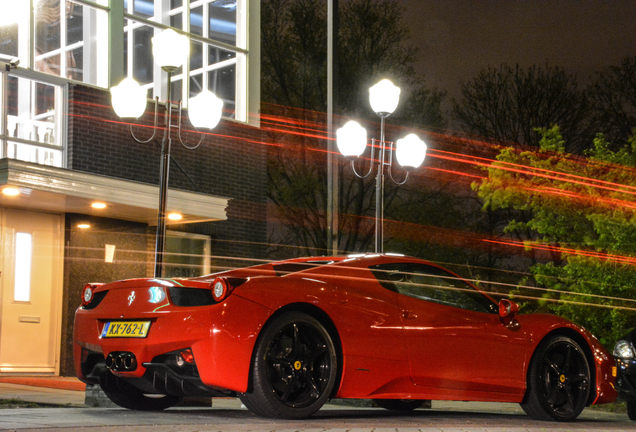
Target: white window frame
{"points": [[60, 124]]}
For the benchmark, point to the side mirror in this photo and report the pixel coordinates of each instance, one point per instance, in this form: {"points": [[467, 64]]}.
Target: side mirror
{"points": [[508, 309]]}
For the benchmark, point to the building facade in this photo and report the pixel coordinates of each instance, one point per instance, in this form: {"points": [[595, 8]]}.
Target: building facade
{"points": [[63, 149]]}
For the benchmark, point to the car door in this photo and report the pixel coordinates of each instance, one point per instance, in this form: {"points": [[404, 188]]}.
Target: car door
{"points": [[455, 337]]}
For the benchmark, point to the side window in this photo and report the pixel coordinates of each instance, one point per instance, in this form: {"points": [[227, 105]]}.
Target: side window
{"points": [[432, 284]]}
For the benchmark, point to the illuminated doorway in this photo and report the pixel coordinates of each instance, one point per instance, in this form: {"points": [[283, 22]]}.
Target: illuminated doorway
{"points": [[31, 284]]}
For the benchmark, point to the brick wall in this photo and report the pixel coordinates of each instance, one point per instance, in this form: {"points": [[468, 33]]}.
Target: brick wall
{"points": [[229, 163]]}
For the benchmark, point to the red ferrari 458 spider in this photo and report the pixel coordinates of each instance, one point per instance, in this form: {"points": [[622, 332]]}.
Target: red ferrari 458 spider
{"points": [[287, 336]]}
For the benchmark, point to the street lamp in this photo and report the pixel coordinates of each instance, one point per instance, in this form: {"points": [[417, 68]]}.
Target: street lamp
{"points": [[170, 51], [409, 152]]}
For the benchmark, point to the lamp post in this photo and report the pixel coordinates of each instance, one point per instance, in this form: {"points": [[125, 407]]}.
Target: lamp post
{"points": [[170, 50], [409, 151]]}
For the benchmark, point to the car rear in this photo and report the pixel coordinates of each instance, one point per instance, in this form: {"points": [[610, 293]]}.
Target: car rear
{"points": [[152, 332]]}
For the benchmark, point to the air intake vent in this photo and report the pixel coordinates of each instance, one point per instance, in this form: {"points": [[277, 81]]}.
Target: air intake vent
{"points": [[97, 299], [190, 296]]}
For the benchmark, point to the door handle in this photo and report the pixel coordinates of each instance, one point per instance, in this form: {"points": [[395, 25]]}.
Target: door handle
{"points": [[408, 315]]}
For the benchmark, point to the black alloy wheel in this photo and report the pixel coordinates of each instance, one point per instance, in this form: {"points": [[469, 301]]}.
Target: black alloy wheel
{"points": [[400, 404], [559, 381], [294, 368]]}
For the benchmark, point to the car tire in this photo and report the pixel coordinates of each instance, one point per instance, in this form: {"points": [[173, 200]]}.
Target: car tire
{"points": [[631, 410], [134, 399], [559, 381], [294, 368], [400, 404]]}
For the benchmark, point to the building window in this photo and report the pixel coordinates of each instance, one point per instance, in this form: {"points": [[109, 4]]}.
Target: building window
{"points": [[59, 38], [217, 48], [66, 38], [23, 253], [14, 31], [187, 255], [33, 120]]}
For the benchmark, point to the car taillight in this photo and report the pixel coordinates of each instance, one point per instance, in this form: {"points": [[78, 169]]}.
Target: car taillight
{"points": [[88, 293], [187, 356], [221, 288]]}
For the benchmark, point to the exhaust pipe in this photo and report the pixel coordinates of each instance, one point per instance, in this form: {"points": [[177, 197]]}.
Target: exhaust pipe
{"points": [[129, 362], [121, 361]]}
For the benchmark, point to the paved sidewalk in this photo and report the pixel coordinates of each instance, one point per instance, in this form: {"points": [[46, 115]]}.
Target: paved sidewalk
{"points": [[44, 390], [71, 393]]}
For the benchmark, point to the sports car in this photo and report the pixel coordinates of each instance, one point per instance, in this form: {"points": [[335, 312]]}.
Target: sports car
{"points": [[285, 337]]}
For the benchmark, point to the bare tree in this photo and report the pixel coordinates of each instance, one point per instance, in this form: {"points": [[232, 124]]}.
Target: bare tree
{"points": [[612, 98], [508, 104], [373, 43], [294, 53]]}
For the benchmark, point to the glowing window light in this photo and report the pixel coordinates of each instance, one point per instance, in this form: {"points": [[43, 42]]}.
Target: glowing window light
{"points": [[23, 253], [83, 226], [14, 13], [11, 191]]}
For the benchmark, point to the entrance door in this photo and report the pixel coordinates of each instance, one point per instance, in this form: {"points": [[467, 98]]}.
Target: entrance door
{"points": [[30, 292]]}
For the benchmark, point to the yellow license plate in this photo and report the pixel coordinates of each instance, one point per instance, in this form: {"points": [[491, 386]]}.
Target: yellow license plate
{"points": [[131, 329]]}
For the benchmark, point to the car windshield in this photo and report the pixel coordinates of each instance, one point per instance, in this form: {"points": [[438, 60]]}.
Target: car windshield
{"points": [[429, 283]]}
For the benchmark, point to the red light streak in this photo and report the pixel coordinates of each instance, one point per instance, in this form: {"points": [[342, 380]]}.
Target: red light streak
{"points": [[581, 197], [456, 173], [564, 250], [315, 132], [532, 171]]}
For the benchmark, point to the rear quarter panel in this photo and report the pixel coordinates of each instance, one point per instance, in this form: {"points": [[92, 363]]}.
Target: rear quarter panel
{"points": [[364, 314]]}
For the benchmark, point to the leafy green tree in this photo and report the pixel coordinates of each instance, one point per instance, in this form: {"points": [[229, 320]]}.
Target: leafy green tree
{"points": [[507, 104], [373, 43], [584, 213]]}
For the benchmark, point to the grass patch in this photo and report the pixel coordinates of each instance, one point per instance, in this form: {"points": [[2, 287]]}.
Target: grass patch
{"points": [[18, 403], [618, 407]]}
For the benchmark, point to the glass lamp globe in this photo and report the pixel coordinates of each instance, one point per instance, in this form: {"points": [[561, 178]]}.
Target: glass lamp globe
{"points": [[205, 110], [128, 99], [384, 97], [351, 139], [170, 49], [410, 151]]}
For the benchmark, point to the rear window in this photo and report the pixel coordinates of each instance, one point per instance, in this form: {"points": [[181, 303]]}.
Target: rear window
{"points": [[287, 268]]}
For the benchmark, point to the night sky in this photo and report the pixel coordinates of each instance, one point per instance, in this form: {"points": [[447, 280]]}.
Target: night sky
{"points": [[458, 38]]}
